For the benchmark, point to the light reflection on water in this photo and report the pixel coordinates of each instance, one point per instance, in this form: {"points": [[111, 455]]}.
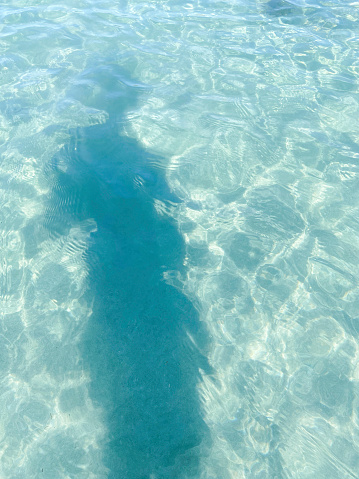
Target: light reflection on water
{"points": [[202, 156]]}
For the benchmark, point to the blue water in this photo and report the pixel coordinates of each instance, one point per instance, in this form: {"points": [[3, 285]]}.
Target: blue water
{"points": [[179, 239]]}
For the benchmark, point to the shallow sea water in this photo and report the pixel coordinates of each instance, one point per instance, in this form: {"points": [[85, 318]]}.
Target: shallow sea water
{"points": [[179, 225]]}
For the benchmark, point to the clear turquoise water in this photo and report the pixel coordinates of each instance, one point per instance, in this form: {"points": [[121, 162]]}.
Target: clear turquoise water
{"points": [[179, 239]]}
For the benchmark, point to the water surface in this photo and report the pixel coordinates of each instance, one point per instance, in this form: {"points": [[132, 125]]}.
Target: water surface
{"points": [[179, 239]]}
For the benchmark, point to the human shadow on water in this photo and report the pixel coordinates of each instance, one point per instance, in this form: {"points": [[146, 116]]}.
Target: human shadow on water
{"points": [[144, 367]]}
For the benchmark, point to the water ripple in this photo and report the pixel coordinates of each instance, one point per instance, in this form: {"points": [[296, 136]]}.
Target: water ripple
{"points": [[246, 117]]}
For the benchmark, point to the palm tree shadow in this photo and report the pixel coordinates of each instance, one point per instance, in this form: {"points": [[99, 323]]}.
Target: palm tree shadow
{"points": [[143, 365]]}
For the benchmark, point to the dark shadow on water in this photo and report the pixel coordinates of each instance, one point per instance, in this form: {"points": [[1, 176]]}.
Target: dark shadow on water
{"points": [[283, 8], [143, 366]]}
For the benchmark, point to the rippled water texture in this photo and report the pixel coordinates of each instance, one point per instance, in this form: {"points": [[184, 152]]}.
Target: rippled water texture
{"points": [[179, 239]]}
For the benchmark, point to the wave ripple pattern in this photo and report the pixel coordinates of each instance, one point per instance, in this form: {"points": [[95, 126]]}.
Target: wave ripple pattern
{"points": [[179, 201]]}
